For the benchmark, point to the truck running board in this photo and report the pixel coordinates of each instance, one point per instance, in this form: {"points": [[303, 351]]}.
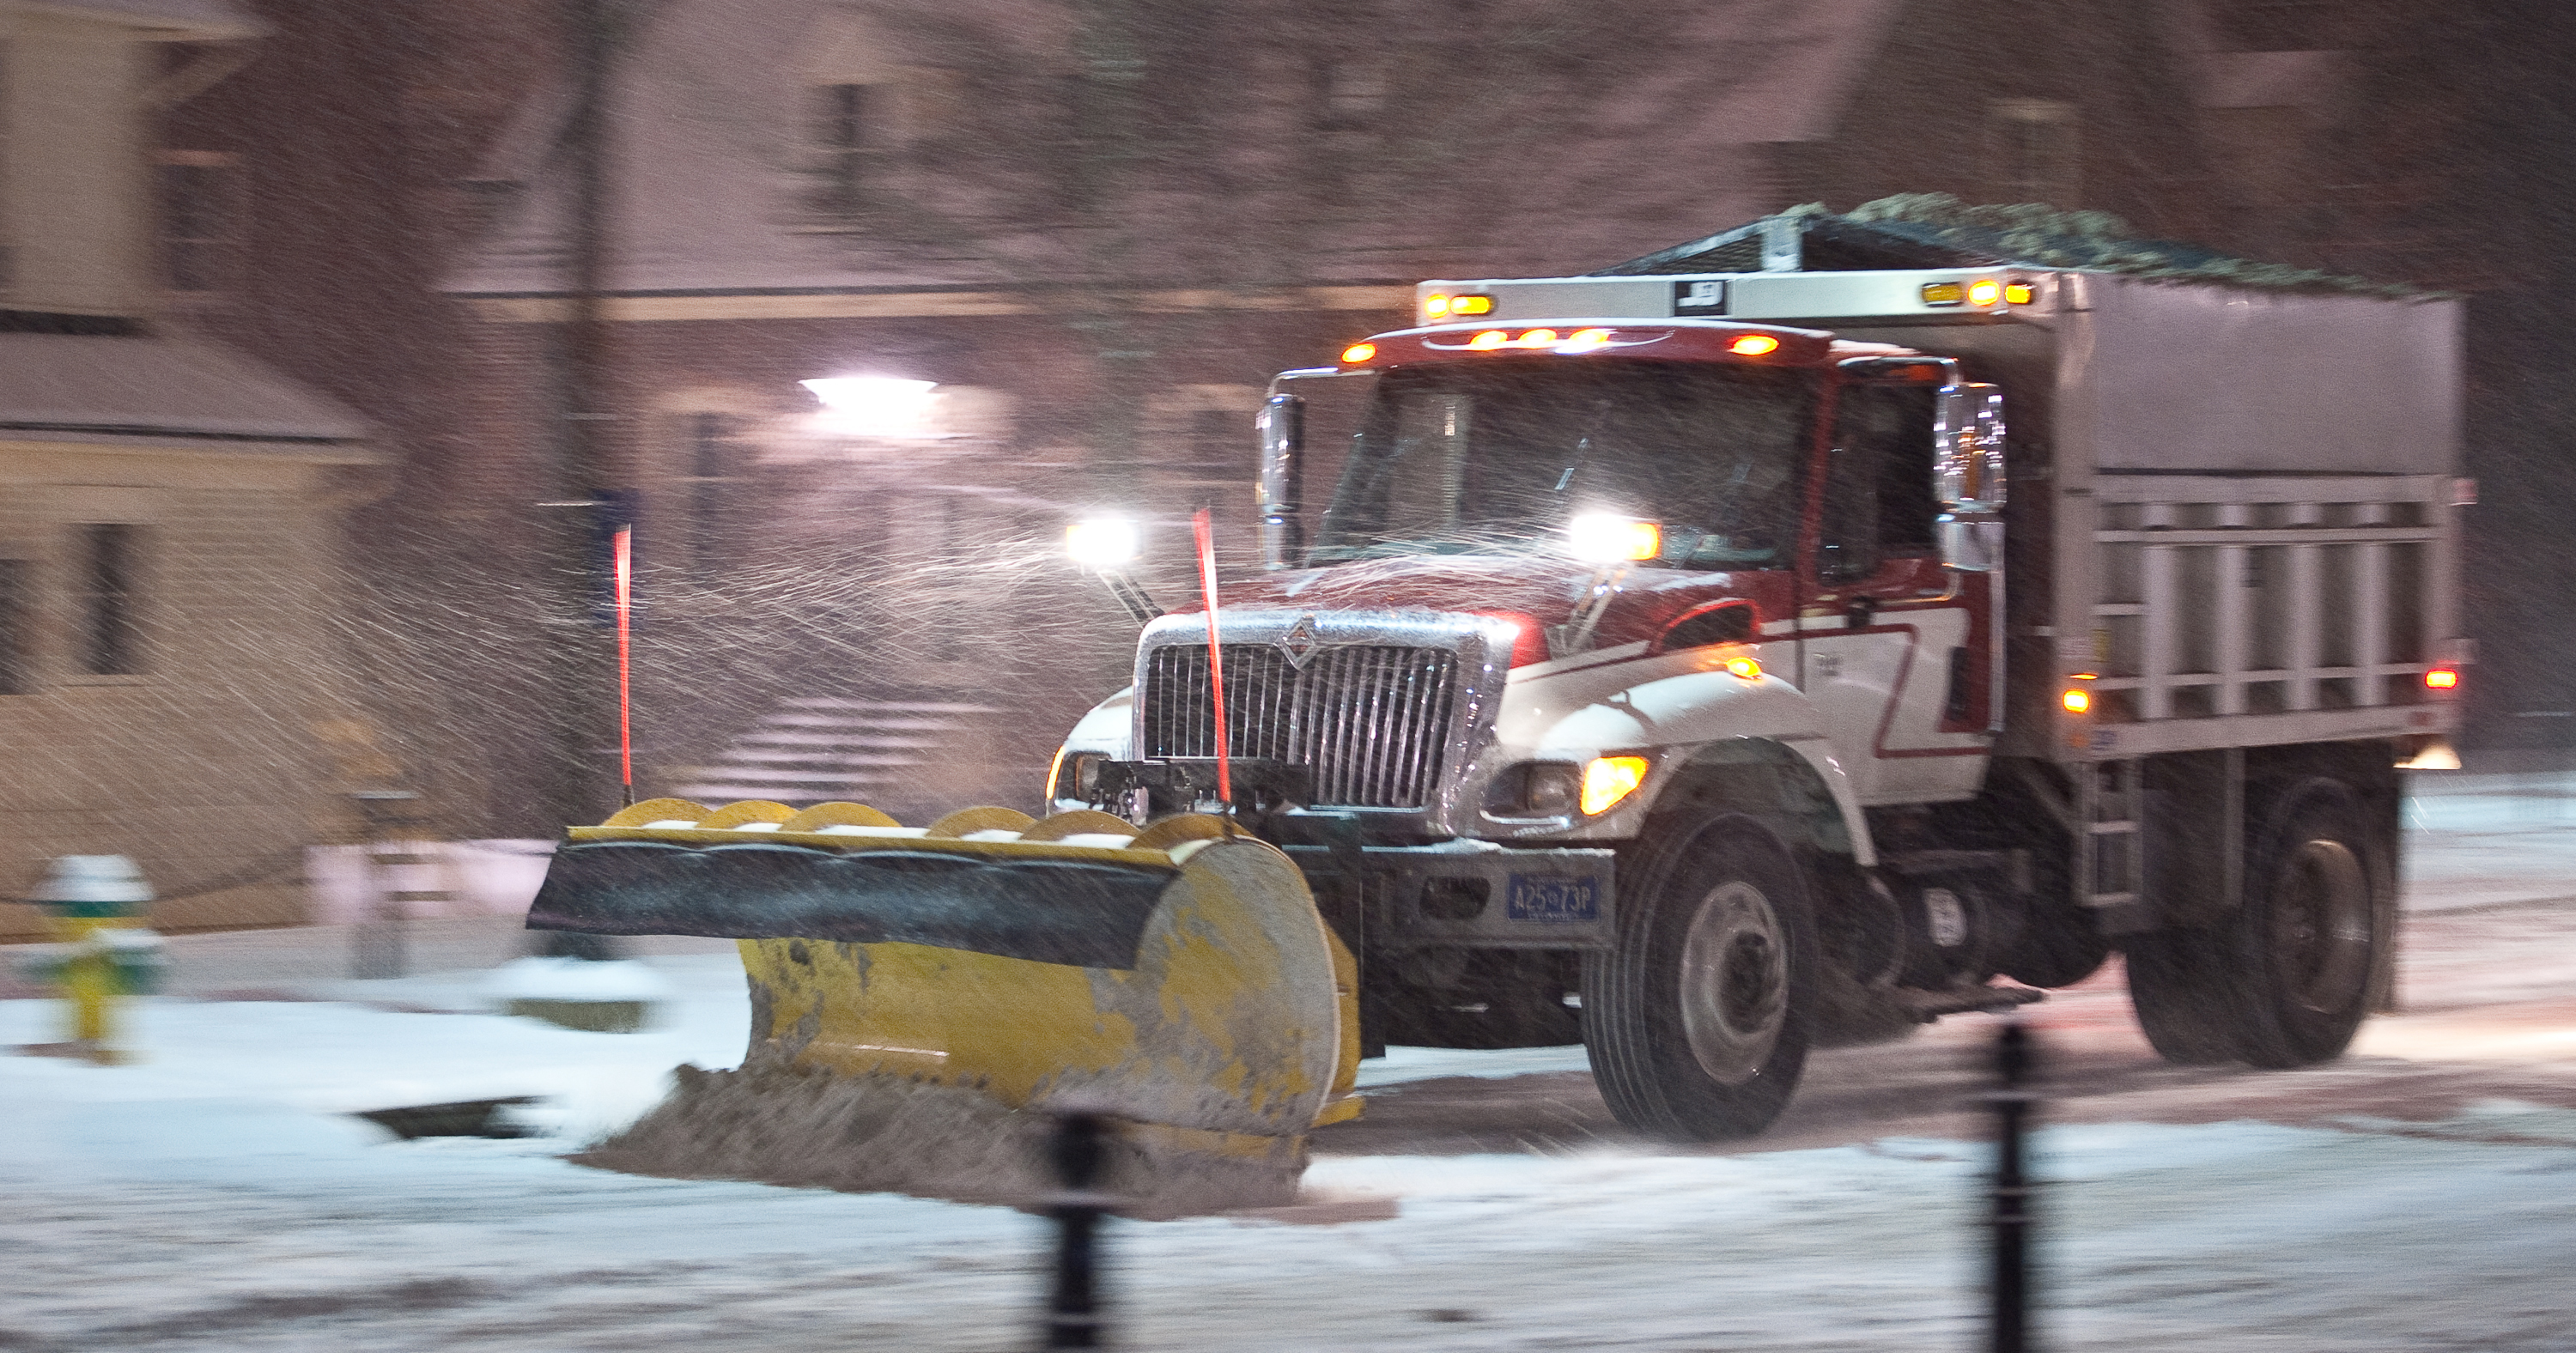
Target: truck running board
{"points": [[1927, 1006]]}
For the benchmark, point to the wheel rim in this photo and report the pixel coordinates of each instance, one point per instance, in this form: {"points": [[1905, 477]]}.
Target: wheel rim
{"points": [[2321, 926], [1734, 982]]}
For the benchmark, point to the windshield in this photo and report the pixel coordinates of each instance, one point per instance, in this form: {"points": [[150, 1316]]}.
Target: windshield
{"points": [[1499, 456]]}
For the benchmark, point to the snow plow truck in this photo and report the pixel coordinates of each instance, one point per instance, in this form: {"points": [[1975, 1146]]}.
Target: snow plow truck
{"points": [[1772, 643]]}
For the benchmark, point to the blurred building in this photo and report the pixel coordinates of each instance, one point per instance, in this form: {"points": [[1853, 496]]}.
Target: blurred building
{"points": [[1099, 229], [170, 509]]}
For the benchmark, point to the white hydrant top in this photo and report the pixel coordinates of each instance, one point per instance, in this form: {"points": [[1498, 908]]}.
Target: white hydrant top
{"points": [[92, 878]]}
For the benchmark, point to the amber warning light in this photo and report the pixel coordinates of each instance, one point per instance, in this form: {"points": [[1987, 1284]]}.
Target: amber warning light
{"points": [[2442, 679], [1439, 306]]}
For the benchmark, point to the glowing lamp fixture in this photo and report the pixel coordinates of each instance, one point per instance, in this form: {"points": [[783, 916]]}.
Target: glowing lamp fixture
{"points": [[1471, 305], [2442, 679], [1754, 345], [1358, 353], [1600, 538], [1585, 340], [1609, 779], [1435, 306], [1744, 668], [1985, 291], [1103, 542], [2077, 700], [1489, 340], [873, 406]]}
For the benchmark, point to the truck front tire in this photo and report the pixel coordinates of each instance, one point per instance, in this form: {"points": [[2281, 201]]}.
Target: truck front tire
{"points": [[2285, 980], [1698, 1022]]}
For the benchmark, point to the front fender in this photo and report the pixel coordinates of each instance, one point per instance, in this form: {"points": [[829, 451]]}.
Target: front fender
{"points": [[1667, 705]]}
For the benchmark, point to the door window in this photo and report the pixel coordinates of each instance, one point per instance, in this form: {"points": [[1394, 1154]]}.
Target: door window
{"points": [[1878, 502]]}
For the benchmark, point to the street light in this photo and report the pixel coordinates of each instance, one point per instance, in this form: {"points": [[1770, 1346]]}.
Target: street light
{"points": [[873, 406]]}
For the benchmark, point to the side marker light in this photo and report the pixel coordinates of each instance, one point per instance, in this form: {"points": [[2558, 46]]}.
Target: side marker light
{"points": [[2019, 293], [1985, 291], [2442, 679], [1359, 352], [1435, 306], [2077, 701], [1754, 345], [1471, 305], [1607, 780], [1943, 293], [1488, 340]]}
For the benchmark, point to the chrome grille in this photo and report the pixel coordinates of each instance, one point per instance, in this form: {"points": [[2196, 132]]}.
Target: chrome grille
{"points": [[1369, 718]]}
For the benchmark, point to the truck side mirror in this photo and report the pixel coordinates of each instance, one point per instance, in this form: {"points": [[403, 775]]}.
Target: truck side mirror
{"points": [[1968, 449], [1283, 436], [1968, 476]]}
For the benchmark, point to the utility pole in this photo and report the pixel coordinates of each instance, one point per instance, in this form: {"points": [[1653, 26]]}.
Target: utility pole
{"points": [[581, 510]]}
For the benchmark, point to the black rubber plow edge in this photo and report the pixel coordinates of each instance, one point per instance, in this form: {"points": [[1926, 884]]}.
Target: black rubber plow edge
{"points": [[1088, 914]]}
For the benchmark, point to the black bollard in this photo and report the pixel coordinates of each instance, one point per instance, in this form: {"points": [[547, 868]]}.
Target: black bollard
{"points": [[2012, 1105], [1073, 1311]]}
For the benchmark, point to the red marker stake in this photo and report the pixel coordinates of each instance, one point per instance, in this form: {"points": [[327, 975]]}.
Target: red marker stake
{"points": [[1216, 656], [625, 566]]}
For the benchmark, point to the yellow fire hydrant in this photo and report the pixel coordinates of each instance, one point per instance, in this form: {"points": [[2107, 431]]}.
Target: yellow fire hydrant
{"points": [[104, 952]]}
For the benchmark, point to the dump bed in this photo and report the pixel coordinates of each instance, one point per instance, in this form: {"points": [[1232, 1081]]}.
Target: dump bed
{"points": [[2232, 515]]}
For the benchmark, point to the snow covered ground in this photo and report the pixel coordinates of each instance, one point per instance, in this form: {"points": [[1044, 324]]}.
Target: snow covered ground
{"points": [[219, 1195]]}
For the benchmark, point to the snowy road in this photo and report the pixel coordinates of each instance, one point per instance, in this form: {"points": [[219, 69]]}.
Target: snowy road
{"points": [[2420, 1194]]}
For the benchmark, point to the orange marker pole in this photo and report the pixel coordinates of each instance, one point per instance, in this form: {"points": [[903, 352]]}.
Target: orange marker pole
{"points": [[1216, 657], [625, 566]]}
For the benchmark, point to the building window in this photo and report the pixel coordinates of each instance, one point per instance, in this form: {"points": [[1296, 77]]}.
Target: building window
{"points": [[200, 219], [1355, 94], [17, 658], [110, 637], [2035, 149], [847, 135]]}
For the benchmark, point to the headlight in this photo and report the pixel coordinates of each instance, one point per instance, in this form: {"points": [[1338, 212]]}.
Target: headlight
{"points": [[1535, 789]]}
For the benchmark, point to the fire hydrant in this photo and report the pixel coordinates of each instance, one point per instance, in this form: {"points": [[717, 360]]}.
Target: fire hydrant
{"points": [[103, 950]]}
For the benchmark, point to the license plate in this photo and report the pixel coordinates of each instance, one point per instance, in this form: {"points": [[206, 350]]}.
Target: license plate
{"points": [[1553, 898]]}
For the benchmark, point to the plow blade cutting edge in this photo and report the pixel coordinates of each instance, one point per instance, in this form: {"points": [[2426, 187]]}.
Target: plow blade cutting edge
{"points": [[1179, 979]]}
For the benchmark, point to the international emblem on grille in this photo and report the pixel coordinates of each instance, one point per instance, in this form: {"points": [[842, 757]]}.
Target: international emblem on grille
{"points": [[1299, 642]]}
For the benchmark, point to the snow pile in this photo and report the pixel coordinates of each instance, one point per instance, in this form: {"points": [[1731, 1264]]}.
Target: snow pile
{"points": [[777, 1124], [575, 979]]}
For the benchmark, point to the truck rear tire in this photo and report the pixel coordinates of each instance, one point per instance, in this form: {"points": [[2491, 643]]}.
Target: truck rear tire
{"points": [[1698, 1022], [2284, 981]]}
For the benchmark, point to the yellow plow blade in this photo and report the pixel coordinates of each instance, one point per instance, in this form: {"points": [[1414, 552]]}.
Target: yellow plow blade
{"points": [[1178, 978]]}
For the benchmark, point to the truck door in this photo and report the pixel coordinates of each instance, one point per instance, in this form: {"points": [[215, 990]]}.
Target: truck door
{"points": [[1894, 650]]}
